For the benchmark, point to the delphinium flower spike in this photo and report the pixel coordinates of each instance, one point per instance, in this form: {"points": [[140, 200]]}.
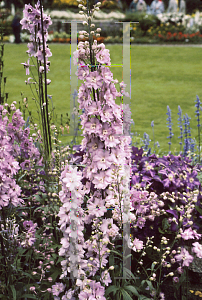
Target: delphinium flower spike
{"points": [[169, 126], [105, 178], [37, 23], [197, 105], [152, 125], [180, 126], [186, 132]]}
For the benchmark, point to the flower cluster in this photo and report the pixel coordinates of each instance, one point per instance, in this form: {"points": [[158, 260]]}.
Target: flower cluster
{"points": [[37, 47], [29, 234], [9, 190], [166, 197]]}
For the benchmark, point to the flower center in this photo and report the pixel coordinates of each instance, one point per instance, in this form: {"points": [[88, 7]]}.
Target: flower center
{"points": [[170, 177], [93, 126]]}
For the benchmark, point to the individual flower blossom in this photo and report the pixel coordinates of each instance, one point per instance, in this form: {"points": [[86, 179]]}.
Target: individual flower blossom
{"points": [[26, 66], [175, 279], [93, 80], [184, 257], [103, 57], [72, 179], [137, 245], [197, 249], [26, 165], [57, 288], [162, 296], [105, 277], [180, 270], [29, 225], [190, 234]]}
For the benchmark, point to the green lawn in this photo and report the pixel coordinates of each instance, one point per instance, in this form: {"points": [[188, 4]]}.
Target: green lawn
{"points": [[160, 76]]}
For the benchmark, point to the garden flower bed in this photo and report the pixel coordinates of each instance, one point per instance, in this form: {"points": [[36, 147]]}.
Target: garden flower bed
{"points": [[103, 219]]}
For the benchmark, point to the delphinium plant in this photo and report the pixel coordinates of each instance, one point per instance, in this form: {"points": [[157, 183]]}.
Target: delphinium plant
{"points": [[37, 23], [96, 199], [3, 94]]}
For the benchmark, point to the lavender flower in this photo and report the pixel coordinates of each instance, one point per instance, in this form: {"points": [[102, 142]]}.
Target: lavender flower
{"points": [[180, 125], [146, 141], [197, 105], [152, 125], [169, 125], [187, 133]]}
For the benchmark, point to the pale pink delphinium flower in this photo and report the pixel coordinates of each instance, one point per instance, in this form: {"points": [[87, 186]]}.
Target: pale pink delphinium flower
{"points": [[190, 234], [184, 257], [57, 288], [137, 245], [197, 249]]}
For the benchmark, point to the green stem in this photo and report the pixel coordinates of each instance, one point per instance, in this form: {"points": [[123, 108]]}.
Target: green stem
{"points": [[45, 77], [3, 248]]}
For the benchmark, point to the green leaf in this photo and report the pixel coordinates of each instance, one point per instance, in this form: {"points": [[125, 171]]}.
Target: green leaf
{"points": [[14, 292], [131, 289], [59, 260], [116, 252], [128, 272], [54, 255], [27, 274], [126, 296], [149, 284], [142, 297], [23, 175], [161, 231], [165, 224], [111, 288], [55, 274], [198, 209]]}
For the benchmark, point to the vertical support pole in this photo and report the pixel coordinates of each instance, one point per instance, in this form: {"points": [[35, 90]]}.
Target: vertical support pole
{"points": [[126, 100], [73, 81], [126, 76], [126, 61]]}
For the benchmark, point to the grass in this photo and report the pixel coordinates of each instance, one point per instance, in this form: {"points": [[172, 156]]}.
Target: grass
{"points": [[160, 76]]}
